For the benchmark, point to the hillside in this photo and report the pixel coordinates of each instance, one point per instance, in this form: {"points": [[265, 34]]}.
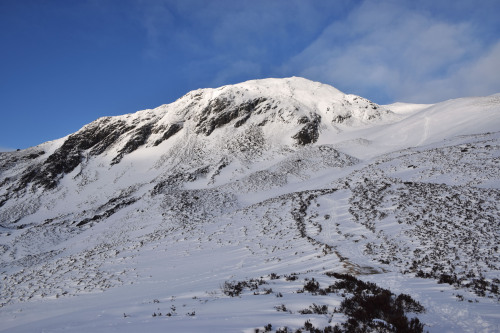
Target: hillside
{"points": [[243, 206]]}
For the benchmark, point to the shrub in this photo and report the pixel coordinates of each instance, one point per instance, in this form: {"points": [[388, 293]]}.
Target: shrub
{"points": [[446, 278], [314, 308], [234, 288], [368, 309], [362, 309], [408, 304], [281, 308], [311, 286], [291, 277]]}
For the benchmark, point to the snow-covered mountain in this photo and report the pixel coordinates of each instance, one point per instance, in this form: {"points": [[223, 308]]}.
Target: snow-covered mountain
{"points": [[269, 190]]}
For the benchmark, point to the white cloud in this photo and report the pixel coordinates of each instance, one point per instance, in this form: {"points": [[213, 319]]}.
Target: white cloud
{"points": [[384, 50], [482, 75], [390, 51]]}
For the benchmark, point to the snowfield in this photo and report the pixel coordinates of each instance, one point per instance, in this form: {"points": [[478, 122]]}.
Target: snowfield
{"points": [[271, 205]]}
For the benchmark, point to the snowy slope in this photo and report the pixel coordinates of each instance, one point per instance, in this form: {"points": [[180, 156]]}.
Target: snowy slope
{"points": [[153, 212]]}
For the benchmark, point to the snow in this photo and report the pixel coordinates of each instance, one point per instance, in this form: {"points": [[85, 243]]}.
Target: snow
{"points": [[169, 224], [407, 108]]}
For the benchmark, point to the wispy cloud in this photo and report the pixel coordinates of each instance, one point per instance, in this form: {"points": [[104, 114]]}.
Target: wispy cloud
{"points": [[157, 20], [384, 50], [398, 53], [230, 40]]}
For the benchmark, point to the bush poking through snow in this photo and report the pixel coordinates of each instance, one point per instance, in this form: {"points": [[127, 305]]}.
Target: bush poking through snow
{"points": [[234, 288], [311, 286], [314, 308], [368, 308]]}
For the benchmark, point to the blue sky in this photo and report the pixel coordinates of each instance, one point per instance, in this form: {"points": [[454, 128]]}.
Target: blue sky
{"points": [[64, 63]]}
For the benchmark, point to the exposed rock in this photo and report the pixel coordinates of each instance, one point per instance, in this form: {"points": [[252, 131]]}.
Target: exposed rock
{"points": [[139, 138], [91, 140], [221, 111], [171, 131], [309, 133]]}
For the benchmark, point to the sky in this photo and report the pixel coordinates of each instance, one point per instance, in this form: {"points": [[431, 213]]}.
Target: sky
{"points": [[65, 63]]}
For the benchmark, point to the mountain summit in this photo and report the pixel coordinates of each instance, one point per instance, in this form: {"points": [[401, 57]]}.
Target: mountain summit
{"points": [[283, 182]]}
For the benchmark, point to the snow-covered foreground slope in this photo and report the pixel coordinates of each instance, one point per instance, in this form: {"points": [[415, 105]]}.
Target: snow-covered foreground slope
{"points": [[151, 221]]}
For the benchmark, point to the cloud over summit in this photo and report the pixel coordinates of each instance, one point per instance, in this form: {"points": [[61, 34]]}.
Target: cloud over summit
{"points": [[399, 53]]}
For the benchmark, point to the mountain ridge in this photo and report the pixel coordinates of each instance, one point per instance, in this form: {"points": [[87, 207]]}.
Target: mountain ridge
{"points": [[282, 176]]}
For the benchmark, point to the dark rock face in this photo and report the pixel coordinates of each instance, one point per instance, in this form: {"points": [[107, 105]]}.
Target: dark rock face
{"points": [[341, 118], [309, 133], [220, 112], [206, 124], [115, 207], [242, 120], [95, 138], [92, 140], [11, 158], [171, 131], [175, 180], [139, 138]]}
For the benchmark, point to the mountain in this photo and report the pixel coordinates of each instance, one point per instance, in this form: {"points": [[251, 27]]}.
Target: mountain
{"points": [[280, 202]]}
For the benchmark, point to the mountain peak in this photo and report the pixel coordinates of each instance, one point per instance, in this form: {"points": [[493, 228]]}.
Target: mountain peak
{"points": [[280, 100], [280, 112], [287, 182]]}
